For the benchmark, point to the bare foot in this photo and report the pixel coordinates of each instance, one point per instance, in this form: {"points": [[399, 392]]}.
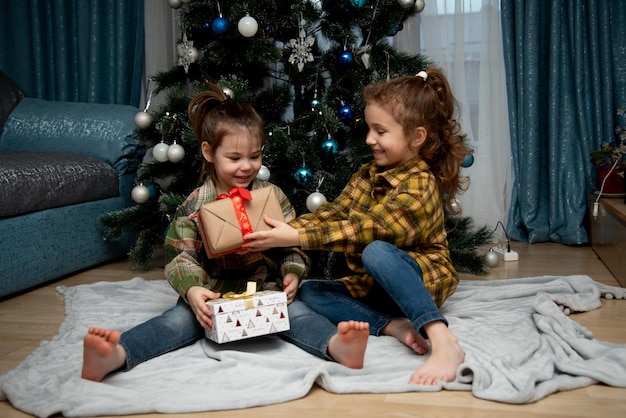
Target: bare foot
{"points": [[348, 345], [405, 333], [445, 357], [102, 353]]}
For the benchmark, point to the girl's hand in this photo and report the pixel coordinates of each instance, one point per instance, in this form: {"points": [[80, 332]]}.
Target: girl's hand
{"points": [[281, 235], [197, 297], [290, 286]]}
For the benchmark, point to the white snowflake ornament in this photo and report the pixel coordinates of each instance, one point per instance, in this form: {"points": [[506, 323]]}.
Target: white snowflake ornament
{"points": [[187, 54], [301, 49]]}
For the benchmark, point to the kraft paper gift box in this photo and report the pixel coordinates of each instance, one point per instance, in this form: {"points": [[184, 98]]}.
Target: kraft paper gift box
{"points": [[224, 222], [251, 314]]}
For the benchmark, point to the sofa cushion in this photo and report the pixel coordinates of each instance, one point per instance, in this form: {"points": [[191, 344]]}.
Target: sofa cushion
{"points": [[32, 181], [103, 131]]}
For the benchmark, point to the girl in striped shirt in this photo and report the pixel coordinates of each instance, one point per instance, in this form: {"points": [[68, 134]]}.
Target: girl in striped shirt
{"points": [[231, 137]]}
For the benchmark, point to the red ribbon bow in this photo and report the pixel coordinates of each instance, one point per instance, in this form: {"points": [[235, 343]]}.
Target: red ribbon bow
{"points": [[237, 196]]}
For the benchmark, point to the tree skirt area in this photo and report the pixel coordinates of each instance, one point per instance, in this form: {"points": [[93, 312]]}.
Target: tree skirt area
{"points": [[520, 346]]}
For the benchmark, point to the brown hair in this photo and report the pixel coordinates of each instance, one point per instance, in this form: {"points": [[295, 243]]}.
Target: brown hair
{"points": [[427, 101], [214, 115]]}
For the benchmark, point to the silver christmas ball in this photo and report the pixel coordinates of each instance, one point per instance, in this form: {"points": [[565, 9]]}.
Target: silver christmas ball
{"points": [[140, 194], [228, 92], [143, 120], [419, 5], [456, 206], [492, 258], [314, 201], [263, 174], [406, 3], [317, 4], [175, 4], [159, 152], [248, 26], [175, 153]]}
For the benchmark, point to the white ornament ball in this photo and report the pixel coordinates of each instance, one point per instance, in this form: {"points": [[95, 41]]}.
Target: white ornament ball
{"points": [[175, 4], [314, 201], [263, 174], [143, 120], [140, 194], [248, 26], [194, 54], [492, 258], [406, 3], [175, 153], [228, 92], [419, 5], [159, 152]]}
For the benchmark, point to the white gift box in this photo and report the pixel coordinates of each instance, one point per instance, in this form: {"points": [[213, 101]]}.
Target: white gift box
{"points": [[246, 316]]}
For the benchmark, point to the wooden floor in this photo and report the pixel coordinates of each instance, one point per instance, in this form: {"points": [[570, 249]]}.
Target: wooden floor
{"points": [[28, 319]]}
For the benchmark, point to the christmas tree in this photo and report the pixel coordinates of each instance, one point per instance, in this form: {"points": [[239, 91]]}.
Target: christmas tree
{"points": [[303, 65]]}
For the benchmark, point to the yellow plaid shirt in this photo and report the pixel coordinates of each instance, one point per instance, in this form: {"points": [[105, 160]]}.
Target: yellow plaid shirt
{"points": [[189, 266], [402, 206]]}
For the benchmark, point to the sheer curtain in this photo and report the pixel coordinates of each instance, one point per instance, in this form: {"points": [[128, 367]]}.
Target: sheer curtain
{"points": [[463, 37], [162, 33]]}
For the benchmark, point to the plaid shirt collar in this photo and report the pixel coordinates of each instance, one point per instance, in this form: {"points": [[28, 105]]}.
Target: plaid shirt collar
{"points": [[396, 175]]}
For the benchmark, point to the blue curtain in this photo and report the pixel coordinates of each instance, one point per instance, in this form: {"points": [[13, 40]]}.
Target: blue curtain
{"points": [[565, 69], [74, 50]]}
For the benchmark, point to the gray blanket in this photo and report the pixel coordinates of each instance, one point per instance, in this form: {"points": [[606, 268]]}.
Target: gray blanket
{"points": [[519, 341]]}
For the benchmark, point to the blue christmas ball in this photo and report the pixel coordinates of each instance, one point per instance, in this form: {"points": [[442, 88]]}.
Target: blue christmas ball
{"points": [[330, 147], [220, 26], [345, 113], [358, 3], [303, 175], [346, 58], [314, 104], [153, 189], [468, 161], [395, 29]]}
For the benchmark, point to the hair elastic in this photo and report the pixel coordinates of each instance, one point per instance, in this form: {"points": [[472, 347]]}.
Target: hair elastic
{"points": [[422, 74]]}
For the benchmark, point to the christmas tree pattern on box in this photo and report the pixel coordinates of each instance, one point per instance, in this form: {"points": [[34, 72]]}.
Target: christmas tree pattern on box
{"points": [[239, 318]]}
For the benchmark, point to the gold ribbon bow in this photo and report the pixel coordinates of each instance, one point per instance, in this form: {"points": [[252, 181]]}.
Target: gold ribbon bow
{"points": [[246, 296]]}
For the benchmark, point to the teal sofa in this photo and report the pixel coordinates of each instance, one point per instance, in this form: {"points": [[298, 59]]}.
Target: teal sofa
{"points": [[62, 166]]}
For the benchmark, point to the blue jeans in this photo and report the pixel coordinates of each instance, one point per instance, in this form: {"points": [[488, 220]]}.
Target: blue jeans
{"points": [[399, 292], [173, 329]]}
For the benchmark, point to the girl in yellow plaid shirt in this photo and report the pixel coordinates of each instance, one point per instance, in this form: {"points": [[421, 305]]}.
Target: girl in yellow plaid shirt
{"points": [[389, 222]]}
